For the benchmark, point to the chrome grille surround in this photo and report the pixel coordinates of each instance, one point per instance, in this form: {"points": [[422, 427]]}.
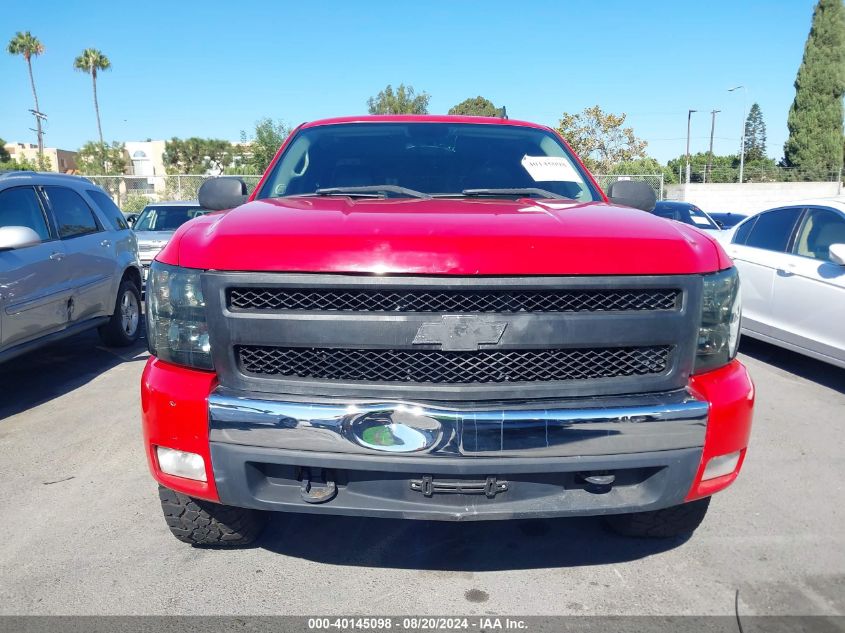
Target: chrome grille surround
{"points": [[575, 352]]}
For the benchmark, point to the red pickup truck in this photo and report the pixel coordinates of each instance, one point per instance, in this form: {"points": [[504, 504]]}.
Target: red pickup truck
{"points": [[434, 317]]}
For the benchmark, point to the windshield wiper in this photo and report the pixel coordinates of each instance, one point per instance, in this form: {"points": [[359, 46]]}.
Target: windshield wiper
{"points": [[368, 190], [520, 191]]}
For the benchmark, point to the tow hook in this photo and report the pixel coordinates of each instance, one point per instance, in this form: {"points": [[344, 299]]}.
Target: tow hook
{"points": [[319, 491], [598, 482]]}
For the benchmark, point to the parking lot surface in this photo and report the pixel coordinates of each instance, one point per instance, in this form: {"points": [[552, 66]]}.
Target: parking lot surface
{"points": [[83, 531]]}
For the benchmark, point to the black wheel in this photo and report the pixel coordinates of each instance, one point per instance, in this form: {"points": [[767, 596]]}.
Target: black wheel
{"points": [[200, 522], [124, 326], [666, 523]]}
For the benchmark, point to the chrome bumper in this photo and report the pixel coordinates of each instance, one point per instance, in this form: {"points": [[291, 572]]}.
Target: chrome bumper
{"points": [[579, 427]]}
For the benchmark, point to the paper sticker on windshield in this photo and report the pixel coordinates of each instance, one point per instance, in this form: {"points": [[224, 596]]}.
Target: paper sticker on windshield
{"points": [[550, 169]]}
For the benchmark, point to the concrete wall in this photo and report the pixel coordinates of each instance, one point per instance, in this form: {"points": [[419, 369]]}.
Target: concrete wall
{"points": [[751, 196]]}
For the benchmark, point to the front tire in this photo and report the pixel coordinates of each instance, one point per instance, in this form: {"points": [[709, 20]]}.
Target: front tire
{"points": [[671, 522], [124, 326], [200, 522]]}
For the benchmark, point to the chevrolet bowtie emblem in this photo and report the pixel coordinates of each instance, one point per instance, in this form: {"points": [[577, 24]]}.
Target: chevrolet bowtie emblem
{"points": [[460, 333]]}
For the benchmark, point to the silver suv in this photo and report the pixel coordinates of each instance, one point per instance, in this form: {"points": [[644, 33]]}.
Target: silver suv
{"points": [[68, 263]]}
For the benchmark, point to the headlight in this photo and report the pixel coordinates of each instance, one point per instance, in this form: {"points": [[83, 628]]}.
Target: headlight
{"points": [[721, 308], [177, 331]]}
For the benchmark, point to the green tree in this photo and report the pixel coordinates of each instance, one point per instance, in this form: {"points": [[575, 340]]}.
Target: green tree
{"points": [[755, 135], [815, 142], [763, 169], [476, 106], [92, 61], [15, 163], [637, 166], [641, 166], [258, 150], [28, 46], [134, 203], [724, 168], [23, 164], [197, 155], [101, 159], [404, 101], [599, 138]]}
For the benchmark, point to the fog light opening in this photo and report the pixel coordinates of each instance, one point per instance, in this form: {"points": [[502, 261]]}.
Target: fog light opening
{"points": [[181, 463], [721, 465]]}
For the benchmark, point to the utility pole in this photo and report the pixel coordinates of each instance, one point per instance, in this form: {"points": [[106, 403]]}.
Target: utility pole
{"points": [[686, 186], [40, 117], [709, 166], [744, 117]]}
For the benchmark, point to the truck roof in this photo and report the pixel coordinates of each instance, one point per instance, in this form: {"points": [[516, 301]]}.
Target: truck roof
{"points": [[422, 118]]}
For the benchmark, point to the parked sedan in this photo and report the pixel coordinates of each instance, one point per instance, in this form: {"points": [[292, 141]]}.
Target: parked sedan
{"points": [[791, 262], [686, 213], [157, 223], [727, 220]]}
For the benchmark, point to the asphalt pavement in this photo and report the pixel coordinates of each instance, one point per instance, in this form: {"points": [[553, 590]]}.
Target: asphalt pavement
{"points": [[82, 531]]}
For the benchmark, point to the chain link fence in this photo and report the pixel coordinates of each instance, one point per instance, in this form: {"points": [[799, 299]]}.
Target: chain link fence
{"points": [[752, 172], [133, 193]]}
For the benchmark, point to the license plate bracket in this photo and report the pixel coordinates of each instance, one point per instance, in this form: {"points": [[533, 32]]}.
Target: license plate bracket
{"points": [[489, 487]]}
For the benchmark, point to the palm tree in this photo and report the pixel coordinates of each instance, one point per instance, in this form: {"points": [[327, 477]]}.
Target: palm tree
{"points": [[27, 44], [91, 61]]}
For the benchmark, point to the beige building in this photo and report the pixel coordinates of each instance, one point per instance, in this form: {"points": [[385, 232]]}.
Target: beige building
{"points": [[61, 160], [145, 169], [145, 158]]}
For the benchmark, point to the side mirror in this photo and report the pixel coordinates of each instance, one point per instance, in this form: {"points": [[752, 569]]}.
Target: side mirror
{"points": [[837, 253], [131, 219], [218, 194], [12, 237], [632, 193], [720, 224]]}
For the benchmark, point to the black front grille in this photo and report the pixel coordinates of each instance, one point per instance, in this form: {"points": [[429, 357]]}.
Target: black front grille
{"points": [[453, 301], [433, 366]]}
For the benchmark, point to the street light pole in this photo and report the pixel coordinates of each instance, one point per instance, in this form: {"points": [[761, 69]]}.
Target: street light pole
{"points": [[709, 167], [686, 185], [744, 116]]}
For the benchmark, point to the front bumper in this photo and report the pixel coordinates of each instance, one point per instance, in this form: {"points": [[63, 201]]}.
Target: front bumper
{"points": [[147, 256], [145, 270], [412, 460]]}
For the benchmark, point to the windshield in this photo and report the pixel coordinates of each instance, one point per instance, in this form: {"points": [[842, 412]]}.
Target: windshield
{"points": [[701, 219], [166, 218], [427, 159]]}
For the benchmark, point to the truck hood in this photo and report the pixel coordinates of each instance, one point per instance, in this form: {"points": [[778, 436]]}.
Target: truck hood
{"points": [[442, 237]]}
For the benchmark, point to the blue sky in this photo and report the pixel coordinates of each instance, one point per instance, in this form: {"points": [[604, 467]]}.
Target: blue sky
{"points": [[212, 68]]}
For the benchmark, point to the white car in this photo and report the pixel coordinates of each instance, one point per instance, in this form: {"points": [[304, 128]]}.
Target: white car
{"points": [[791, 263]]}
